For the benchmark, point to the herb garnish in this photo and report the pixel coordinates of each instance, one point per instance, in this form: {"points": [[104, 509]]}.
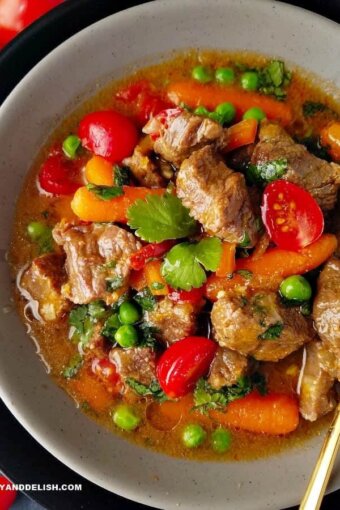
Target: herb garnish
{"points": [[154, 390], [272, 332], [110, 327], [310, 108], [145, 299], [121, 175], [147, 337], [105, 192], [206, 397], [182, 266], [158, 218], [73, 367], [266, 172], [273, 78], [114, 283], [247, 275]]}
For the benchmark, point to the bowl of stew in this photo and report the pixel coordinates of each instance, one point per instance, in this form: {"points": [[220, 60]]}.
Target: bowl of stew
{"points": [[170, 244]]}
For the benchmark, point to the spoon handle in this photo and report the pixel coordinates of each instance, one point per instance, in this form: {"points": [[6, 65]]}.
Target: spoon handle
{"points": [[322, 471]]}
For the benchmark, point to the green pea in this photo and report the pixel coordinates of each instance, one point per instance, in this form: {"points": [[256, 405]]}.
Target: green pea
{"points": [[296, 288], [71, 145], [201, 110], [202, 74], [128, 313], [254, 113], [36, 230], [126, 336], [250, 80], [226, 112], [220, 440], [225, 75], [193, 435], [126, 418]]}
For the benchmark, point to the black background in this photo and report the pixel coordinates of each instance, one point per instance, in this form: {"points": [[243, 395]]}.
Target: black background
{"points": [[21, 457]]}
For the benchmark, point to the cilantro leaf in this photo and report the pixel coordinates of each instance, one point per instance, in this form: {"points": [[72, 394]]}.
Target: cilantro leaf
{"points": [[121, 175], [206, 397], [310, 108], [76, 318], [147, 335], [158, 218], [272, 332], [266, 172], [208, 252], [105, 192], [182, 266], [154, 390], [73, 367], [145, 299], [273, 78], [111, 325]]}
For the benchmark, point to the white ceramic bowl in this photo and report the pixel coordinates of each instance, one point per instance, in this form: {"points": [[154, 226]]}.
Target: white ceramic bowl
{"points": [[60, 81]]}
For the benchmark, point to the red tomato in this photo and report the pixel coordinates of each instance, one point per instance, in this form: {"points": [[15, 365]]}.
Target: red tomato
{"points": [[7, 497], [183, 363], [108, 134], [59, 175], [187, 296], [146, 101], [106, 371], [15, 15], [292, 217], [149, 251]]}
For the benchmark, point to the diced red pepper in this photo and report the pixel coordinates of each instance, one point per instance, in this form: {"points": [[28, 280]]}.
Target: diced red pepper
{"points": [[192, 296], [149, 251]]}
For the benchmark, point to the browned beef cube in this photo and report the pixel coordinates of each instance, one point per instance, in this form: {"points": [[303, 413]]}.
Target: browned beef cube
{"points": [[259, 326], [138, 363], [227, 367], [43, 281], [183, 134], [320, 178], [172, 320], [217, 197], [143, 168], [97, 260], [316, 397]]}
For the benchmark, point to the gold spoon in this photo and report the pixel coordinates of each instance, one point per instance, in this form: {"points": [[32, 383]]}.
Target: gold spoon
{"points": [[322, 471]]}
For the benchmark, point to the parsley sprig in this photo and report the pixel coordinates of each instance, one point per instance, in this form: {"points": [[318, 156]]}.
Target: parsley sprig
{"points": [[105, 192], [158, 218], [73, 367], [184, 264], [154, 390]]}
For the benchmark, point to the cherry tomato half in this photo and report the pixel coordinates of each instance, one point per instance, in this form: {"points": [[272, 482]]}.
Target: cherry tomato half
{"points": [[7, 497], [291, 215], [183, 363], [187, 296], [108, 134], [149, 251], [59, 175]]}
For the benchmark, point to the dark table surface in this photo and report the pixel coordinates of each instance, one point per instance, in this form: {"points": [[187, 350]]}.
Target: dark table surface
{"points": [[22, 459]]}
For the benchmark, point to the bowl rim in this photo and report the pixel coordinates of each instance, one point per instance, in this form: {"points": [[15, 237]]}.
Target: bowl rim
{"points": [[44, 441]]}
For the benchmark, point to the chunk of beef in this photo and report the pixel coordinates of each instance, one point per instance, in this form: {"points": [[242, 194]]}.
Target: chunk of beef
{"points": [[259, 326], [172, 320], [97, 260], [142, 167], [43, 281], [227, 367], [320, 178], [180, 135], [216, 196], [326, 307], [316, 397], [137, 363]]}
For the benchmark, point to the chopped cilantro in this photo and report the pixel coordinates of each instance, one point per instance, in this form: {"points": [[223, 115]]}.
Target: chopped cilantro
{"points": [[157, 286], [114, 283], [310, 108], [154, 390], [121, 175], [158, 218], [73, 367], [273, 78], [105, 192], [266, 172], [111, 325], [247, 275], [182, 266], [77, 317], [145, 299], [147, 335], [206, 397], [97, 309], [272, 332]]}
